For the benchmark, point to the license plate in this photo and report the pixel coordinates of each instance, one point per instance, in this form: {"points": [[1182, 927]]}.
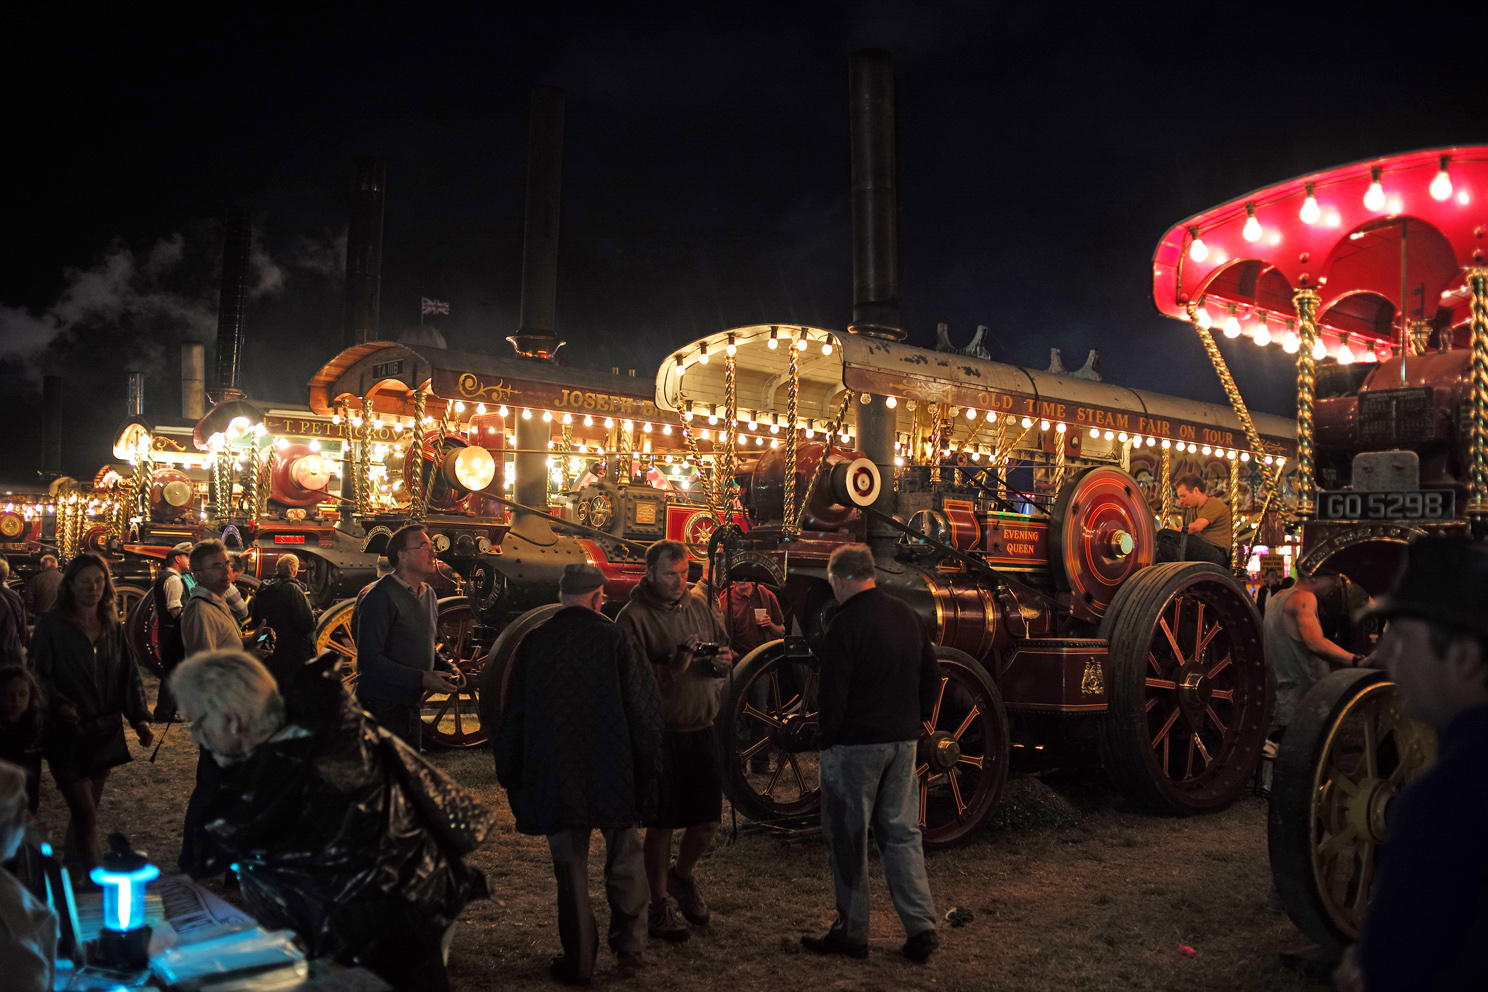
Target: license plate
{"points": [[1419, 504]]}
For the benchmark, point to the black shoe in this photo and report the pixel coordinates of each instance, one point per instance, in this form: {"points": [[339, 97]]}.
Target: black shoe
{"points": [[830, 943], [563, 972], [694, 907], [919, 947]]}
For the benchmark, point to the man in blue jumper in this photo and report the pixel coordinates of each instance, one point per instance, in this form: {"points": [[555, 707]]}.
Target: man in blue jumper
{"points": [[1428, 917], [397, 623]]}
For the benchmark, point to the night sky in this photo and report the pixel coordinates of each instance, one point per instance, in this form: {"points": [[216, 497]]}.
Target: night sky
{"points": [[1043, 150]]}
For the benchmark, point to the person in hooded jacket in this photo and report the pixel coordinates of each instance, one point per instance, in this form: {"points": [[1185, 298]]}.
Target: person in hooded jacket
{"points": [[284, 605]]}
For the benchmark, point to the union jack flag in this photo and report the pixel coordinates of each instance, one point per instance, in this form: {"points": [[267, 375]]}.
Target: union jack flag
{"points": [[433, 306]]}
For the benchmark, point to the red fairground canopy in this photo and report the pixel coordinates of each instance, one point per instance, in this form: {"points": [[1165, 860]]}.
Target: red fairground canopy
{"points": [[1364, 236]]}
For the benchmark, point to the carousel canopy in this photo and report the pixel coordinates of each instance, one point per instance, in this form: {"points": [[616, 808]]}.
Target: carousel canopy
{"points": [[1364, 237]]}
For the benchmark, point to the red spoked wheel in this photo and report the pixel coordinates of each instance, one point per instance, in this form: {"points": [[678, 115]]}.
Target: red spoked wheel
{"points": [[964, 753], [1189, 691]]}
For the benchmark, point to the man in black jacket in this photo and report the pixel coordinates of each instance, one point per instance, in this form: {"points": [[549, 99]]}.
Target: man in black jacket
{"points": [[282, 603], [879, 682], [578, 750]]}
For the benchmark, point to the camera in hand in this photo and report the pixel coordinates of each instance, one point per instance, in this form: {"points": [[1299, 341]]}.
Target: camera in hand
{"points": [[706, 649], [265, 641]]}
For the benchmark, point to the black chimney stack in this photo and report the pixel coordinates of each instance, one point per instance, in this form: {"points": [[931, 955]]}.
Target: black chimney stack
{"points": [[51, 427], [364, 251], [134, 406], [536, 336], [875, 195], [236, 243], [875, 253]]}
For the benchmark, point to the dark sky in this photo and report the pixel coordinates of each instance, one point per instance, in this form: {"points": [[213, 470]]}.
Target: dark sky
{"points": [[1043, 150]]}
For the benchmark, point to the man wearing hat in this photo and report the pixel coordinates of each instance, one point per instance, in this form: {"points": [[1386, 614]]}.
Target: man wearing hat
{"points": [[1428, 918], [578, 750], [169, 594]]}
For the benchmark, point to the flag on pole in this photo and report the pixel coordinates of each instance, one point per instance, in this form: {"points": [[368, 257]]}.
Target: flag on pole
{"points": [[433, 306]]}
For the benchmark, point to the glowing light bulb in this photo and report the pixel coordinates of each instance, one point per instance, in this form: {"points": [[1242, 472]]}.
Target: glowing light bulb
{"points": [[730, 348], [1374, 197], [1290, 342], [1463, 198], [1110, 435], [970, 413], [526, 414], [1441, 186], [588, 421], [547, 416], [1310, 212], [702, 354], [314, 444], [1245, 456], [754, 425], [1232, 325], [459, 407], [891, 402], [1043, 425], [1203, 317], [1206, 449], [480, 408], [1252, 230], [826, 346], [1166, 443], [1319, 350], [1262, 333], [774, 341], [1095, 432], [1027, 422], [1345, 354], [1061, 427], [1230, 453], [1121, 437], [609, 421], [1197, 250]]}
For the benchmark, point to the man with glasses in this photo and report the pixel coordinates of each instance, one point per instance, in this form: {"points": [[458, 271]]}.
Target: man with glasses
{"points": [[396, 626]]}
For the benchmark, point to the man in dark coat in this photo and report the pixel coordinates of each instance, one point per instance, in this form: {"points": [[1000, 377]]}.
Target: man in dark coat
{"points": [[12, 620], [283, 604], [579, 749]]}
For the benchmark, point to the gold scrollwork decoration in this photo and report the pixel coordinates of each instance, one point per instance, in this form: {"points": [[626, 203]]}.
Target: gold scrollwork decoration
{"points": [[471, 388]]}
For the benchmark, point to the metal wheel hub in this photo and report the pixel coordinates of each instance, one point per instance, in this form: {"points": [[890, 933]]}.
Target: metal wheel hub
{"points": [[1365, 810], [1195, 690], [795, 734], [940, 751]]}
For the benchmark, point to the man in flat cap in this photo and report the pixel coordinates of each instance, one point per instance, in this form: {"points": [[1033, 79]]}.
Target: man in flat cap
{"points": [[1428, 919], [578, 750]]}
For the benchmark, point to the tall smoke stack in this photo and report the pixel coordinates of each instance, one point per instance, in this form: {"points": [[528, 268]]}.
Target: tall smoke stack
{"points": [[134, 406], [364, 251], [193, 381], [237, 240], [875, 249], [536, 337], [51, 427]]}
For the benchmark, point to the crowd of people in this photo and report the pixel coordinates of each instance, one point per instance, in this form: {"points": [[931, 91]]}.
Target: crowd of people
{"points": [[335, 827]]}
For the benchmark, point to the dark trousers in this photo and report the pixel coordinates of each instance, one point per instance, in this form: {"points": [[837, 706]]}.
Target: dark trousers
{"points": [[1173, 545], [625, 890], [193, 841], [401, 719]]}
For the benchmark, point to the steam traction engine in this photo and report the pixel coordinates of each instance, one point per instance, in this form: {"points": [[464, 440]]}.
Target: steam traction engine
{"points": [[1375, 273], [997, 505]]}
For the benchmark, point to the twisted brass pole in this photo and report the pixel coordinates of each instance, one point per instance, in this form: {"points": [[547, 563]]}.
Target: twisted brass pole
{"points": [[791, 406], [1165, 482], [1237, 402], [1236, 565], [1477, 485], [725, 476], [415, 481], [1306, 302]]}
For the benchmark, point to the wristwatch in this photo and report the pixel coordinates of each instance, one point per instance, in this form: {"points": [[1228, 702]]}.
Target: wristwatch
{"points": [[1359, 659]]}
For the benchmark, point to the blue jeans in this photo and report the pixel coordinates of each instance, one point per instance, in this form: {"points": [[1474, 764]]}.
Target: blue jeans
{"points": [[874, 783]]}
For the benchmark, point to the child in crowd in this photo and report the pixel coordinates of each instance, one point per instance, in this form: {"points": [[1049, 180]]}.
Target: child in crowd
{"points": [[23, 725]]}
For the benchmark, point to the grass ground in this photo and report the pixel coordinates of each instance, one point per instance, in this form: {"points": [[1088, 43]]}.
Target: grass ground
{"points": [[1071, 891]]}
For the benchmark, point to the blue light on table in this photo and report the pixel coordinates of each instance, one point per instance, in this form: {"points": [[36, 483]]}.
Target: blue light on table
{"points": [[124, 896]]}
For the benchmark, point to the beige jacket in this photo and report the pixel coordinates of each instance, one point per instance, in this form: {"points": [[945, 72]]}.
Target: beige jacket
{"points": [[688, 701]]}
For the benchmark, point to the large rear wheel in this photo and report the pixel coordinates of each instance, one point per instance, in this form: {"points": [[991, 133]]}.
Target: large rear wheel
{"points": [[1190, 696], [1348, 753]]}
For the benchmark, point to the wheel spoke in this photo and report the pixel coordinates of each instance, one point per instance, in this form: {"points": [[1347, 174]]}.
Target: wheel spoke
{"points": [[1172, 641], [341, 649], [975, 712], [924, 799], [1199, 641], [1208, 708], [1152, 660], [956, 792], [796, 770], [975, 760], [1219, 666], [1371, 745], [761, 715], [1228, 695], [1365, 879], [774, 777], [775, 692], [1202, 750], [1336, 842], [1348, 785], [935, 713], [754, 749], [1188, 768], [1162, 732], [1161, 684], [1151, 702]]}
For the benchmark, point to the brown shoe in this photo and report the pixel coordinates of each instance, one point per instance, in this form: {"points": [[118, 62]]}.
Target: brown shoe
{"points": [[689, 900], [663, 924]]}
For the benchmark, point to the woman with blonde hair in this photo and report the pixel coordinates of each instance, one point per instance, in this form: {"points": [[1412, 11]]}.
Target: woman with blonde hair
{"points": [[28, 929], [78, 652]]}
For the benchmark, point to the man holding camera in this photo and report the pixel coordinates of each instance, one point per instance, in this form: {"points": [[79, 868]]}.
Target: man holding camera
{"points": [[678, 630]]}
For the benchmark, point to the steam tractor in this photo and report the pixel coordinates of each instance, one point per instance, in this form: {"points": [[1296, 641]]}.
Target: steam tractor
{"points": [[1374, 275]]}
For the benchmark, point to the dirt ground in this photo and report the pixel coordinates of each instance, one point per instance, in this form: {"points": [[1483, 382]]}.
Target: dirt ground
{"points": [[1070, 890]]}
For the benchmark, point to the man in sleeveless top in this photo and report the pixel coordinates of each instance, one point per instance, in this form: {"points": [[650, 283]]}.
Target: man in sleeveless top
{"points": [[1294, 640]]}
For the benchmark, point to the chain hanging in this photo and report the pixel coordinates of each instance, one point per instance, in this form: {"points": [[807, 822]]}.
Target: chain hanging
{"points": [[1272, 478], [1477, 457], [821, 465], [1306, 302], [791, 411]]}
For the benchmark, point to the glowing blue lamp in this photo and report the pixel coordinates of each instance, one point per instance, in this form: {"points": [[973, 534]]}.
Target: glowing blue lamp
{"points": [[125, 940]]}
